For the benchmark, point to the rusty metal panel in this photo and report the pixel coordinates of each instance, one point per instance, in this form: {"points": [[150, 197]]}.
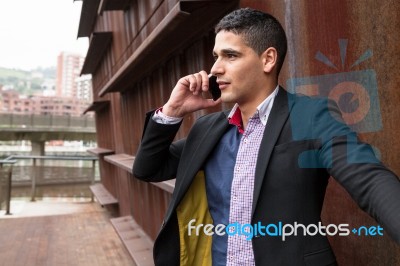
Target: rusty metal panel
{"points": [[113, 125], [339, 49], [103, 127], [145, 196], [88, 17], [123, 192]]}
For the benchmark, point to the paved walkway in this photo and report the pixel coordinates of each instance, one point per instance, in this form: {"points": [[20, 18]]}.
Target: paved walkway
{"points": [[59, 233]]}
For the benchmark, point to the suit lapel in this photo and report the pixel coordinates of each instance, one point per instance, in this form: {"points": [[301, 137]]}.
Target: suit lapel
{"points": [[202, 147], [277, 118]]}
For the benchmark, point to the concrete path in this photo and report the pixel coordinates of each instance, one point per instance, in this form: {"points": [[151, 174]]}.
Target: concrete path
{"points": [[59, 233]]}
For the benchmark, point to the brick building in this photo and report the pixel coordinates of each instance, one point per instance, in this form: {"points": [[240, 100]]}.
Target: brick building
{"points": [[69, 66], [13, 102]]}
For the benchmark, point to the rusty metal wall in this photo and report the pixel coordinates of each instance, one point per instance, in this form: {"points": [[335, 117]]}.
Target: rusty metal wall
{"points": [[104, 125], [350, 47], [119, 125], [148, 205]]}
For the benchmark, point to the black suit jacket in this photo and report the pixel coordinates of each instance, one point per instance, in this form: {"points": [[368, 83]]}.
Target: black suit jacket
{"points": [[304, 143]]}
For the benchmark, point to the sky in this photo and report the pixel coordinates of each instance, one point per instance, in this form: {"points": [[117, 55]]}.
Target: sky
{"points": [[34, 32]]}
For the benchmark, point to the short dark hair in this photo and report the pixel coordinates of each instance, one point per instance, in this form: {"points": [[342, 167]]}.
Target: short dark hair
{"points": [[258, 29]]}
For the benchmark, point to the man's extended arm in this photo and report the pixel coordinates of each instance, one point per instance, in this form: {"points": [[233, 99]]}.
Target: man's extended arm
{"points": [[353, 164]]}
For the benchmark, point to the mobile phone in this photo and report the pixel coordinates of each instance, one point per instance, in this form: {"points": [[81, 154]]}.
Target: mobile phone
{"points": [[213, 87]]}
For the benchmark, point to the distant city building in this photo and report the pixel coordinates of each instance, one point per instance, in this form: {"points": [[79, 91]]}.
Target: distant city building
{"points": [[69, 66], [69, 94], [12, 102], [48, 87], [84, 88]]}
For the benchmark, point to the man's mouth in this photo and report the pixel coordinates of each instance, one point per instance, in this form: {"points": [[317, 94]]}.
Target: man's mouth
{"points": [[222, 84]]}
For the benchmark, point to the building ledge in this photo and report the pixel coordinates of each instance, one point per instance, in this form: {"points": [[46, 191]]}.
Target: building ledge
{"points": [[88, 17], [96, 106], [100, 151], [113, 5], [99, 43], [102, 195], [125, 161], [121, 160], [168, 185], [138, 244]]}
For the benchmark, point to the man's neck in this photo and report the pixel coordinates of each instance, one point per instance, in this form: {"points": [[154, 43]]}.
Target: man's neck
{"points": [[248, 109]]}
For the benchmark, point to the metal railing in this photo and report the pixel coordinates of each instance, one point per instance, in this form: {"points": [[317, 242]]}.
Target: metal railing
{"points": [[6, 167], [45, 121], [32, 171]]}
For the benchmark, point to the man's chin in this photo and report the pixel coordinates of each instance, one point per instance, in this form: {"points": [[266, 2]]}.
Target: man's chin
{"points": [[226, 99]]}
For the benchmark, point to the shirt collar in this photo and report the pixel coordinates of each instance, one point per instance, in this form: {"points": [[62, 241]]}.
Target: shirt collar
{"points": [[264, 109]]}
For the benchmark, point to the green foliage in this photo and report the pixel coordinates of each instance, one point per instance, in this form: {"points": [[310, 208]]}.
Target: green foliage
{"points": [[13, 73], [23, 82]]}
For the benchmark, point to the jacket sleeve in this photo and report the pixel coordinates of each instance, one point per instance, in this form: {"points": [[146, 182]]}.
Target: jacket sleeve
{"points": [[158, 157], [374, 187]]}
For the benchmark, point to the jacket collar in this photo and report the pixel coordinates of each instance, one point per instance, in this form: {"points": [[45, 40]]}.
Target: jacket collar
{"points": [[278, 116]]}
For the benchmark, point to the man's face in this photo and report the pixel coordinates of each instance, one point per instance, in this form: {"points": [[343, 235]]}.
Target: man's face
{"points": [[239, 69]]}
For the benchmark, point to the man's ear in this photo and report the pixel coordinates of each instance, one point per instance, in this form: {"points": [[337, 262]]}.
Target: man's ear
{"points": [[270, 58]]}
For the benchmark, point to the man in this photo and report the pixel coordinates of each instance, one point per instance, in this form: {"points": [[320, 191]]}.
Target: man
{"points": [[265, 162]]}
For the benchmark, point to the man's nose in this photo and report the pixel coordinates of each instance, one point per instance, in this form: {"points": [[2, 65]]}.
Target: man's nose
{"points": [[217, 68]]}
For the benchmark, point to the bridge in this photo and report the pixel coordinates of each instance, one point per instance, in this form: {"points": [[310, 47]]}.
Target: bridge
{"points": [[41, 128]]}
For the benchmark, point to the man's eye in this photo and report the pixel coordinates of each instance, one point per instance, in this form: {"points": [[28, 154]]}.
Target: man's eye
{"points": [[231, 55]]}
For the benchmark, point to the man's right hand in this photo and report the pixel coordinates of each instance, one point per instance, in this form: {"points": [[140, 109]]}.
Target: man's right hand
{"points": [[187, 96]]}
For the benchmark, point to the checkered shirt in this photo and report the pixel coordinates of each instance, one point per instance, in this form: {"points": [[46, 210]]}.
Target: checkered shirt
{"points": [[240, 250]]}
